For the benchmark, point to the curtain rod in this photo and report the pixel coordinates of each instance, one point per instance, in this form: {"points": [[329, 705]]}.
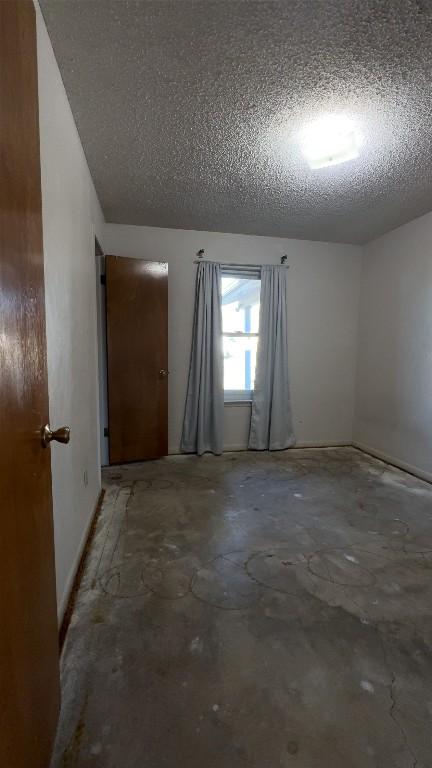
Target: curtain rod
{"points": [[238, 266]]}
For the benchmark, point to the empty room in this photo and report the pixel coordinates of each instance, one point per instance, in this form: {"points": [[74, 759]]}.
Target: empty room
{"points": [[216, 384]]}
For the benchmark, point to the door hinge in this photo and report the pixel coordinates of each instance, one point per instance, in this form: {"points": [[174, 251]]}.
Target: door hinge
{"points": [[106, 432], [103, 279]]}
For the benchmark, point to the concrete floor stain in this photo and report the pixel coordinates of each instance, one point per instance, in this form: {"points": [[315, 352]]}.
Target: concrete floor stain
{"points": [[212, 631]]}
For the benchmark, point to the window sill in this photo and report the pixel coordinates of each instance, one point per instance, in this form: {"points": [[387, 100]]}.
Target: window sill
{"points": [[238, 402]]}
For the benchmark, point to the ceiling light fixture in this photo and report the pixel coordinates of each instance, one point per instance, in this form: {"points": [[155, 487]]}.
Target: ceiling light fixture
{"points": [[329, 140]]}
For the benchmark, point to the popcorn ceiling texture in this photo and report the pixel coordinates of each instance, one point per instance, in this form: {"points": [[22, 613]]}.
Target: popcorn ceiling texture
{"points": [[188, 111]]}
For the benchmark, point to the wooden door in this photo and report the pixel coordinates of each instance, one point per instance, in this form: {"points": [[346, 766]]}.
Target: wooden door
{"points": [[137, 346], [29, 674]]}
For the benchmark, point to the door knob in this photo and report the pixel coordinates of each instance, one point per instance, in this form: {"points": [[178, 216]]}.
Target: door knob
{"points": [[163, 373], [61, 435]]}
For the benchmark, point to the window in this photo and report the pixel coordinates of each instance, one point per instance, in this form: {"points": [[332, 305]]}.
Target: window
{"points": [[240, 326]]}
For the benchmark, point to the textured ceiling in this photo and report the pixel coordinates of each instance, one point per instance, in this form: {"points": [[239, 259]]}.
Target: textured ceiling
{"points": [[189, 110]]}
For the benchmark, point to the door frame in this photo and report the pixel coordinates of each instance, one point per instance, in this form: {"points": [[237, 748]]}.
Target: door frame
{"points": [[102, 353]]}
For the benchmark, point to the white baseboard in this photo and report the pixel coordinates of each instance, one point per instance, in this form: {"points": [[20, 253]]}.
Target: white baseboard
{"points": [[62, 606], [389, 459], [304, 444], [175, 451], [323, 444]]}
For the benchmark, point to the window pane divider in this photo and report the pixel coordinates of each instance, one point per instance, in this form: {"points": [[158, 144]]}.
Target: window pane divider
{"points": [[240, 334]]}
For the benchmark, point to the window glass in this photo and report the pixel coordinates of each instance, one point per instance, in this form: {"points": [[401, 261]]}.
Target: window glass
{"points": [[239, 362], [240, 324], [240, 304]]}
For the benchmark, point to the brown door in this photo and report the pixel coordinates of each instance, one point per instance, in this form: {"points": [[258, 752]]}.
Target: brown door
{"points": [[29, 675], [137, 341]]}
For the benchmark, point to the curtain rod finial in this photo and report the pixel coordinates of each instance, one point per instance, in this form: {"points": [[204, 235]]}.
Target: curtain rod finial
{"points": [[284, 259], [200, 253]]}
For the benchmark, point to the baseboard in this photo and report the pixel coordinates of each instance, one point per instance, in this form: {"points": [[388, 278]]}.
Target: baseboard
{"points": [[175, 451], [303, 444], [323, 444], [68, 602], [228, 449], [394, 461]]}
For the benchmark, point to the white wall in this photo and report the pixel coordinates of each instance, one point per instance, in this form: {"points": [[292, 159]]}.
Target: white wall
{"points": [[71, 218], [323, 289], [394, 370]]}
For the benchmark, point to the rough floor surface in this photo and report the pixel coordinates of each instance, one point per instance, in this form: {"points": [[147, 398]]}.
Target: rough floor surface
{"points": [[254, 610]]}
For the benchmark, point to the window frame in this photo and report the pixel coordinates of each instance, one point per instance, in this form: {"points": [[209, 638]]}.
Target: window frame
{"points": [[240, 396]]}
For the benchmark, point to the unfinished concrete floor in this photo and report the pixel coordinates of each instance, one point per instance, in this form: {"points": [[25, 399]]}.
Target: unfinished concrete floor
{"points": [[254, 610]]}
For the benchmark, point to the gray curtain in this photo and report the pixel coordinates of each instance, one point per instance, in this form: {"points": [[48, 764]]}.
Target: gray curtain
{"points": [[271, 423], [204, 409]]}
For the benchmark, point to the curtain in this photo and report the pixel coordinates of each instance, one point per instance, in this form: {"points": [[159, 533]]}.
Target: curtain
{"points": [[271, 423], [204, 409]]}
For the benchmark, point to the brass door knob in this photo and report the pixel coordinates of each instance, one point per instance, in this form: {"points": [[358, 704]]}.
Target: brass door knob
{"points": [[61, 435], [163, 373]]}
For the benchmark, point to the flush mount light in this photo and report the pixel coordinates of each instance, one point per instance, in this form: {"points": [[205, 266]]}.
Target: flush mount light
{"points": [[330, 140]]}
